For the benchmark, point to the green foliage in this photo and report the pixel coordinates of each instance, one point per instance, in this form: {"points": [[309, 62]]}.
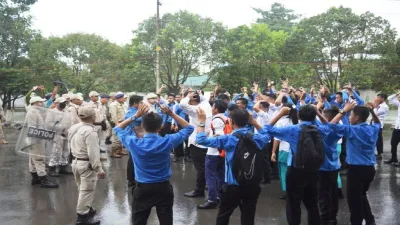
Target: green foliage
{"points": [[278, 18]]}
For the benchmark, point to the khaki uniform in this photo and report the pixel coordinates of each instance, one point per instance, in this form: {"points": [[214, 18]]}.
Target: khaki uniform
{"points": [[106, 112], [60, 123], [100, 116], [34, 118], [73, 112], [117, 111], [84, 144], [2, 119]]}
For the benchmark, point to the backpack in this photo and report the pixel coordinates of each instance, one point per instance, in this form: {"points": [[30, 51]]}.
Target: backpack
{"points": [[310, 153], [227, 130], [248, 165]]}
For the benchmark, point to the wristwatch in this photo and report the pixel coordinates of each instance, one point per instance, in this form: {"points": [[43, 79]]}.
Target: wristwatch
{"points": [[201, 125], [342, 112]]}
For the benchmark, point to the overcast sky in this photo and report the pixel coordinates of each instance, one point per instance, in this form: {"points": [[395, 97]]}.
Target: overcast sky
{"points": [[115, 19]]}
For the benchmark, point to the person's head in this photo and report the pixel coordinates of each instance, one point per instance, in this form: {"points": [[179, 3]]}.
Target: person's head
{"points": [[239, 118], [359, 114], [37, 101], [152, 122], [219, 107], [135, 101], [61, 103], [48, 96], [293, 113], [151, 98], [87, 114], [329, 114], [120, 97], [76, 99], [178, 98], [271, 97], [242, 103], [307, 113], [381, 98], [94, 96], [104, 99], [112, 95], [339, 97], [224, 98], [195, 100], [171, 98], [232, 107], [264, 106]]}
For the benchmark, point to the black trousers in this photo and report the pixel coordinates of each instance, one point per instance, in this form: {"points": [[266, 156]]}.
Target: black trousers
{"points": [[358, 180], [394, 142], [243, 196], [302, 186], [178, 151], [130, 170], [343, 154], [267, 162], [379, 143], [166, 129], [145, 196], [199, 159], [328, 199]]}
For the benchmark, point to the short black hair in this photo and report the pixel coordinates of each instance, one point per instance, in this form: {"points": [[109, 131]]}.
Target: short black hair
{"points": [[243, 100], [332, 112], [223, 97], [382, 95], [362, 112], [273, 96], [171, 94], [240, 117], [220, 105], [152, 122], [232, 107], [135, 99], [265, 104], [292, 114], [339, 93], [307, 113]]}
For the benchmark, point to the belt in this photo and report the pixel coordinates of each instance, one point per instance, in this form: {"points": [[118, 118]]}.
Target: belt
{"points": [[80, 159], [152, 184]]}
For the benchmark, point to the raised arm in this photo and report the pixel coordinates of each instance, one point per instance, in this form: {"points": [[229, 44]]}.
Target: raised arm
{"points": [[347, 108], [394, 99], [375, 118]]}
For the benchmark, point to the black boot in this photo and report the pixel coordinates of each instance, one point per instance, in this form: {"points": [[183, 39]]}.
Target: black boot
{"points": [[46, 183], [108, 141], [53, 172], [35, 179], [86, 220], [65, 170], [92, 212]]}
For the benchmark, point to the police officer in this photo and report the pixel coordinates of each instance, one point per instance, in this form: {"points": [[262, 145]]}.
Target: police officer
{"points": [[73, 107], [112, 97], [2, 120], [60, 122], [104, 99], [86, 166], [35, 119], [117, 110], [100, 122]]}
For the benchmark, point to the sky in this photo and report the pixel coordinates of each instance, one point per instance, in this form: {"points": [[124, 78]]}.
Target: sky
{"points": [[116, 19]]}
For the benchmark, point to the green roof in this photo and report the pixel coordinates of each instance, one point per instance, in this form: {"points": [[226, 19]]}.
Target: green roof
{"points": [[196, 80]]}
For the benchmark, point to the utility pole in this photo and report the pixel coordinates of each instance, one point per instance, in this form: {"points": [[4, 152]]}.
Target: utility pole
{"points": [[158, 47]]}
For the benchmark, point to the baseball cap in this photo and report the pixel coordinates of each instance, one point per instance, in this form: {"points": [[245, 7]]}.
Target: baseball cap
{"points": [[93, 93], [104, 96], [85, 112], [112, 93], [60, 100], [151, 95], [36, 99], [66, 96], [119, 94]]}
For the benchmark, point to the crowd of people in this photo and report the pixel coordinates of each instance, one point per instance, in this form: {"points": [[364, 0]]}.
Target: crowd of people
{"points": [[236, 142]]}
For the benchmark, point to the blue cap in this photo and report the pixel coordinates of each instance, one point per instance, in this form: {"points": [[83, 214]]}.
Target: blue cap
{"points": [[104, 96], [119, 95]]}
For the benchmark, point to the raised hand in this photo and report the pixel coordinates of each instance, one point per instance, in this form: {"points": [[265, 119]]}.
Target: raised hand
{"points": [[201, 115], [143, 109], [349, 106], [166, 110]]}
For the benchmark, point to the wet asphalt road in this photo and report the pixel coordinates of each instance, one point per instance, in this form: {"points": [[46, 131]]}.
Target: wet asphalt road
{"points": [[22, 204]]}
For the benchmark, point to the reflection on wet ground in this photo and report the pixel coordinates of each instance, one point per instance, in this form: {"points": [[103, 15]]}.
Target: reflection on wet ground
{"points": [[22, 204]]}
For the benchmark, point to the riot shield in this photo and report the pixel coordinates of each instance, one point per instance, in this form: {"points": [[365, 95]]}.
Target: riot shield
{"points": [[40, 129]]}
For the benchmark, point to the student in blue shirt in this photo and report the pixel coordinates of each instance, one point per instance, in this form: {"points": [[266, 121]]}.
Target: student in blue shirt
{"points": [[179, 151], [167, 120], [135, 127], [234, 195], [301, 185], [152, 163], [361, 141], [243, 103]]}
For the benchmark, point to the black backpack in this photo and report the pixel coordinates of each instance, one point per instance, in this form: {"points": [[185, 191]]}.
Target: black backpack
{"points": [[248, 166], [310, 153]]}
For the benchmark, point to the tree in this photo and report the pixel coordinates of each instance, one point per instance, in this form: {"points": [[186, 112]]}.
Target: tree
{"points": [[338, 45], [15, 36], [187, 42], [278, 18]]}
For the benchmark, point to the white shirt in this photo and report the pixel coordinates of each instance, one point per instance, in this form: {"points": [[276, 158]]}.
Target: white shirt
{"points": [[382, 111], [191, 111], [218, 124], [283, 122], [273, 110], [262, 118], [393, 100]]}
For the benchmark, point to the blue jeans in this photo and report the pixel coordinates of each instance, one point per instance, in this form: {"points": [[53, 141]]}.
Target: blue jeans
{"points": [[214, 176]]}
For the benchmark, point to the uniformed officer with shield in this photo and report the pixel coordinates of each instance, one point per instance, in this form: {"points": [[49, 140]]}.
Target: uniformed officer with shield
{"points": [[86, 166]]}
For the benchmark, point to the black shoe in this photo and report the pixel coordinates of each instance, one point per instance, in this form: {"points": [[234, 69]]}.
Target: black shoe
{"points": [[208, 205], [53, 172], [86, 220], [340, 193], [35, 179], [396, 164], [108, 141], [174, 158], [46, 183], [283, 197], [378, 157], [391, 161], [195, 194]]}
